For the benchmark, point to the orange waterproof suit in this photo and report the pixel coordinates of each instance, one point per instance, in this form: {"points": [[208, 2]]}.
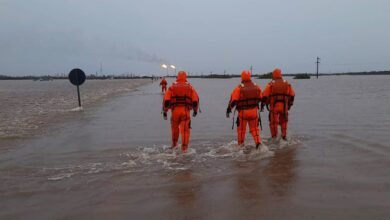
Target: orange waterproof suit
{"points": [[279, 96], [246, 98], [181, 98], [163, 85]]}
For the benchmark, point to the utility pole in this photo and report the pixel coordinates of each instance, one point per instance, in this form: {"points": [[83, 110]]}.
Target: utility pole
{"points": [[251, 70], [318, 62], [101, 68]]}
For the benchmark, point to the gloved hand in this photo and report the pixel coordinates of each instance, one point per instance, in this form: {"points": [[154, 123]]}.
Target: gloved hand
{"points": [[194, 114], [228, 111], [165, 116], [262, 107]]}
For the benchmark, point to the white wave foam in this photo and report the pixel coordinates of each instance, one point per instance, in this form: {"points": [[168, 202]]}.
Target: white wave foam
{"points": [[223, 151], [77, 109], [129, 163], [157, 158], [231, 150], [279, 143], [60, 176]]}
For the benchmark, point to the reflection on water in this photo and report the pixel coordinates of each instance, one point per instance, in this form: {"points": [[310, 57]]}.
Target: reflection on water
{"points": [[280, 172], [248, 181], [185, 189]]}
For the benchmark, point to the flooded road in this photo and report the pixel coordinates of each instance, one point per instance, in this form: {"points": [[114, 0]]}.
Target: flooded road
{"points": [[27, 107], [112, 161]]}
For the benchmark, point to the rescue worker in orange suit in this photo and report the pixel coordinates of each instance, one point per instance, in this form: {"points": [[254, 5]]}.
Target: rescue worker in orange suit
{"points": [[163, 85], [279, 96], [181, 98], [246, 98]]}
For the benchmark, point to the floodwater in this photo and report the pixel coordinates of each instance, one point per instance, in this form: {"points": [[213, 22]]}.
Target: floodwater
{"points": [[111, 161], [28, 107]]}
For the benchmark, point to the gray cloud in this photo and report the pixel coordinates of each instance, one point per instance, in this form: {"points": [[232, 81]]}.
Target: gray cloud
{"points": [[199, 36]]}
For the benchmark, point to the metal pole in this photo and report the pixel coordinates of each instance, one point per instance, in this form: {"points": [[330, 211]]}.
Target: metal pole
{"points": [[78, 89], [318, 62], [78, 94]]}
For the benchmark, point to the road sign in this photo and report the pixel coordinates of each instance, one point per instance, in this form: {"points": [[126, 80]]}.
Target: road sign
{"points": [[77, 77]]}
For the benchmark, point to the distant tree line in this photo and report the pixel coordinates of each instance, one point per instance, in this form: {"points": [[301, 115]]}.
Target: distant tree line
{"points": [[207, 76], [269, 75], [358, 73], [57, 77]]}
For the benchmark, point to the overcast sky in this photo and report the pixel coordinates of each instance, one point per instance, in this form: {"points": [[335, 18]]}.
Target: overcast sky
{"points": [[137, 36]]}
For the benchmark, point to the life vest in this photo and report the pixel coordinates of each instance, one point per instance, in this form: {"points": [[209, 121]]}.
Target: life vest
{"points": [[279, 91], [181, 95], [249, 96], [163, 82]]}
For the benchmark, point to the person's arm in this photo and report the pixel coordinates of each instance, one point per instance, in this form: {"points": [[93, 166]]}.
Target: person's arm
{"points": [[166, 103], [234, 97], [292, 92], [265, 96], [266, 93], [195, 101], [260, 96], [292, 97]]}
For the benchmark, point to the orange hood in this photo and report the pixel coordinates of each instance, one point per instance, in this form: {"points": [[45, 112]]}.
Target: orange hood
{"points": [[245, 76], [181, 76], [277, 74]]}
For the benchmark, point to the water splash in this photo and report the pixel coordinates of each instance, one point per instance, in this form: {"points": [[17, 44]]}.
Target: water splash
{"points": [[279, 143], [77, 109], [161, 158], [60, 176]]}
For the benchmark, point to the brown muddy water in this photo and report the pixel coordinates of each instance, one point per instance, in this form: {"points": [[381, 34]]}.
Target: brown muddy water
{"points": [[29, 107], [110, 161]]}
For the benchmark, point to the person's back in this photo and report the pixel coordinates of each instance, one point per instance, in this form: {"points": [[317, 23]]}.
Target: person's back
{"points": [[163, 85], [246, 98], [279, 96], [181, 98]]}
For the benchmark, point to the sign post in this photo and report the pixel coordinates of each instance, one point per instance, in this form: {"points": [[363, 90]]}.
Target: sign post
{"points": [[77, 77]]}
